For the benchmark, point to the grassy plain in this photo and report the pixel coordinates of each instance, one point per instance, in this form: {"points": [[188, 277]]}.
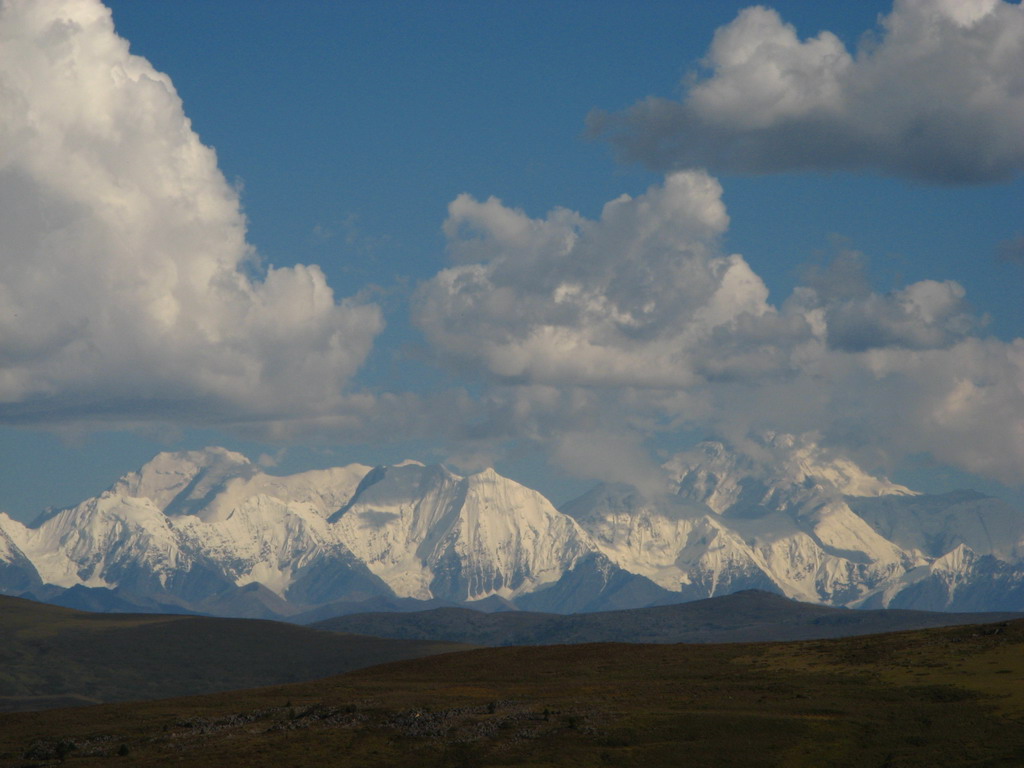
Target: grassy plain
{"points": [[938, 697]]}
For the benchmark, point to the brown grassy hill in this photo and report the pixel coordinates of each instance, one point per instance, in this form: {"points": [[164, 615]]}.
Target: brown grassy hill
{"points": [[941, 697], [52, 656]]}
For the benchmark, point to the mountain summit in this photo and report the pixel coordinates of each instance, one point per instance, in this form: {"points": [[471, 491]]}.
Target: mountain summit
{"points": [[210, 531]]}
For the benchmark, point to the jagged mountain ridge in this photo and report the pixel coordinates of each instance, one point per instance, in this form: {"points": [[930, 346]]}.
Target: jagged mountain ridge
{"points": [[199, 530], [212, 532]]}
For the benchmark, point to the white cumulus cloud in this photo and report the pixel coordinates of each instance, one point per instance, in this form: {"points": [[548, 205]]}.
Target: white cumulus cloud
{"points": [[127, 289], [632, 299], [593, 335], [937, 95]]}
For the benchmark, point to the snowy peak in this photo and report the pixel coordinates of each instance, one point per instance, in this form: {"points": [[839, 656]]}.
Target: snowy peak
{"points": [[213, 482], [512, 538], [428, 532], [193, 528], [805, 462], [180, 482], [771, 471], [199, 522], [321, 491], [389, 485], [621, 498], [498, 497], [17, 572], [644, 536], [398, 520], [934, 525], [772, 516]]}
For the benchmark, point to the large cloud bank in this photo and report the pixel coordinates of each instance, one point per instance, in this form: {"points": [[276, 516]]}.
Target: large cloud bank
{"points": [[938, 96], [127, 290], [636, 322], [128, 293]]}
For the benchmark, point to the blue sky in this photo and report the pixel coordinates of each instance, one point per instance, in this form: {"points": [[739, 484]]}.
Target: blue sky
{"points": [[869, 180]]}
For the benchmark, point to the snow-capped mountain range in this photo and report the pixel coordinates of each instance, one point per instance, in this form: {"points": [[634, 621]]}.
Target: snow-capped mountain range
{"points": [[211, 531]]}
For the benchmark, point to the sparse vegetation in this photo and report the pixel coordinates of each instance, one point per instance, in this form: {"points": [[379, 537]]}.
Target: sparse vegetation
{"points": [[950, 697]]}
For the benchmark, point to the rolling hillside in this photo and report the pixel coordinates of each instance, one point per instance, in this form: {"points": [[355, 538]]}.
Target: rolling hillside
{"points": [[53, 656]]}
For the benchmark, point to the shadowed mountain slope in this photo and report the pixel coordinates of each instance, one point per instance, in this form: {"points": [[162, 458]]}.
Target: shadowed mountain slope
{"points": [[748, 616], [53, 656]]}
